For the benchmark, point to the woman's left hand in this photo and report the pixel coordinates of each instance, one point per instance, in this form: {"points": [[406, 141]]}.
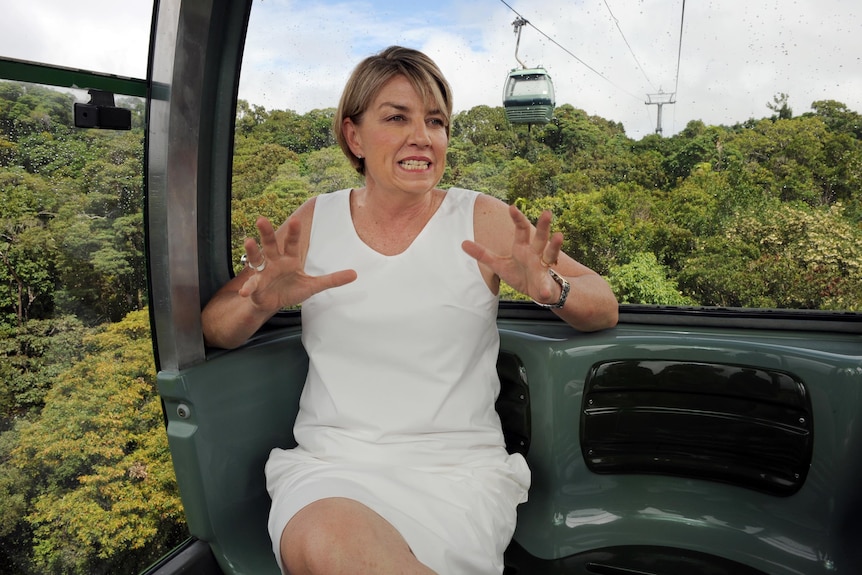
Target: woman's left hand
{"points": [[533, 251]]}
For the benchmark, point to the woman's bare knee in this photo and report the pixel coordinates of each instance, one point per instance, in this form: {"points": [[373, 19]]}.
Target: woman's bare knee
{"points": [[338, 535]]}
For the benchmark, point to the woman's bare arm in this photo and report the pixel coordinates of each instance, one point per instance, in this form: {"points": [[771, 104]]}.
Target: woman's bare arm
{"points": [[510, 248]]}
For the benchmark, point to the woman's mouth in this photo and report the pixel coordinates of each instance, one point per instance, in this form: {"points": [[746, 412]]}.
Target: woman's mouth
{"points": [[414, 165]]}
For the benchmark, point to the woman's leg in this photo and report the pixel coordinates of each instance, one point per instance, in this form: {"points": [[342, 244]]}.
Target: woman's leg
{"points": [[338, 535]]}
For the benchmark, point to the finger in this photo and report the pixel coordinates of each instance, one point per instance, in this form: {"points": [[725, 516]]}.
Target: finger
{"points": [[556, 241], [252, 250], [543, 224], [253, 253], [337, 279], [523, 228], [267, 235], [477, 251], [553, 248], [290, 247], [249, 286], [543, 231]]}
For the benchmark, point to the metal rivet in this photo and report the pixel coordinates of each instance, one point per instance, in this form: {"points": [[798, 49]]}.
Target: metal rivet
{"points": [[801, 421], [183, 411]]}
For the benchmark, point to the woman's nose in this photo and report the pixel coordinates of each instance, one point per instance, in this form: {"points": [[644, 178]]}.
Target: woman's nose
{"points": [[420, 134]]}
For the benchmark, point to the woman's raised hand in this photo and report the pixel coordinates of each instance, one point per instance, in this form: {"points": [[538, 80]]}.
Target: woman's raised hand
{"points": [[277, 278], [525, 268]]}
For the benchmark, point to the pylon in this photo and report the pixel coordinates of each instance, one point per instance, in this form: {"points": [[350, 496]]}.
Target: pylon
{"points": [[659, 100]]}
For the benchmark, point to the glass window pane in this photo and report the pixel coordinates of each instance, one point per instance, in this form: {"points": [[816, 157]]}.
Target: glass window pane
{"points": [[86, 480], [697, 156], [97, 35]]}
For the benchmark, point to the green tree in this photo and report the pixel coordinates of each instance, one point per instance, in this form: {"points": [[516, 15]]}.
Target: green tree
{"points": [[781, 106], [100, 260], [784, 157], [31, 356], [482, 135], [299, 133], [571, 131], [255, 165], [27, 248], [104, 498], [838, 117], [789, 256], [328, 170], [644, 280], [14, 533], [248, 117], [27, 109], [531, 180]]}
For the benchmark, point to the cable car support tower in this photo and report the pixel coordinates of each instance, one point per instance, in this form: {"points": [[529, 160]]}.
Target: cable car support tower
{"points": [[663, 98], [658, 100]]}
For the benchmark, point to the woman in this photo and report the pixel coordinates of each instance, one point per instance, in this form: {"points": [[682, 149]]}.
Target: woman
{"points": [[400, 465]]}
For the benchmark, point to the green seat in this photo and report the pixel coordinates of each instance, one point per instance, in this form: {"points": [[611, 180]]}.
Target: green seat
{"points": [[239, 406]]}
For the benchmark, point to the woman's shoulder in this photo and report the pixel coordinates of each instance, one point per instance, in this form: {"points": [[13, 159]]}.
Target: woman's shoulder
{"points": [[487, 206], [492, 223], [305, 212], [329, 197], [482, 200]]}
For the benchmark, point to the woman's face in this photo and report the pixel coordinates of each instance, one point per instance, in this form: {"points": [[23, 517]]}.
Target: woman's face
{"points": [[402, 140]]}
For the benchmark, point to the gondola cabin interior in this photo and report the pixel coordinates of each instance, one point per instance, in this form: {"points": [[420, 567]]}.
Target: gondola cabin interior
{"points": [[693, 438]]}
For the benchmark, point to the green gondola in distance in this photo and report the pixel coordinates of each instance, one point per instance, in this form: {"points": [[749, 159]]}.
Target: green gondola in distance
{"points": [[528, 96]]}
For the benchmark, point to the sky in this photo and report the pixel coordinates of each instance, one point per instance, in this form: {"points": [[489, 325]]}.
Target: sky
{"points": [[722, 61]]}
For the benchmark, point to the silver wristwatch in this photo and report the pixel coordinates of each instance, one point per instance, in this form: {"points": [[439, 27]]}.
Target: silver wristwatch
{"points": [[564, 284]]}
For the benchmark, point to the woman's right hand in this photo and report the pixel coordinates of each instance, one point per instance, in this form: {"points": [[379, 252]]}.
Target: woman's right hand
{"points": [[282, 281]]}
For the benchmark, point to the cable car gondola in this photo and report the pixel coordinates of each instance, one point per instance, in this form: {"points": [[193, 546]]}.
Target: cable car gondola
{"points": [[528, 95]]}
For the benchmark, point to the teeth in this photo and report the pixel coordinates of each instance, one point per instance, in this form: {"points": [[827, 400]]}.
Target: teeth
{"points": [[414, 165]]}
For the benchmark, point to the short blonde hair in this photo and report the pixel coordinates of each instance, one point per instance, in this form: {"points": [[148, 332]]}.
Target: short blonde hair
{"points": [[373, 73]]}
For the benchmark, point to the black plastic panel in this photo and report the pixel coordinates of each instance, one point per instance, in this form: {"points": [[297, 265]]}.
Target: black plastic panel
{"points": [[194, 557], [513, 403], [742, 425], [625, 560]]}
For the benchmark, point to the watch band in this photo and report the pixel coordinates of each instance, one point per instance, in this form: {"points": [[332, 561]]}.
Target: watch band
{"points": [[564, 293]]}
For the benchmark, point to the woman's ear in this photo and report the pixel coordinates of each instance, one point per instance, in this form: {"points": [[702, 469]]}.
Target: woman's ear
{"points": [[351, 135]]}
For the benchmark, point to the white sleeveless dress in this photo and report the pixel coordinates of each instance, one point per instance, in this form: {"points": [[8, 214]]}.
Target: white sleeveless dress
{"points": [[397, 411]]}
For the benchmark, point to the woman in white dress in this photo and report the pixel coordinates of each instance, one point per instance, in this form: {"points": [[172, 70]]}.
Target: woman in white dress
{"points": [[400, 465]]}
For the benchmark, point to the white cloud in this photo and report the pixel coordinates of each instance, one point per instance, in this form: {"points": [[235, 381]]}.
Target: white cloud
{"points": [[102, 35]]}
